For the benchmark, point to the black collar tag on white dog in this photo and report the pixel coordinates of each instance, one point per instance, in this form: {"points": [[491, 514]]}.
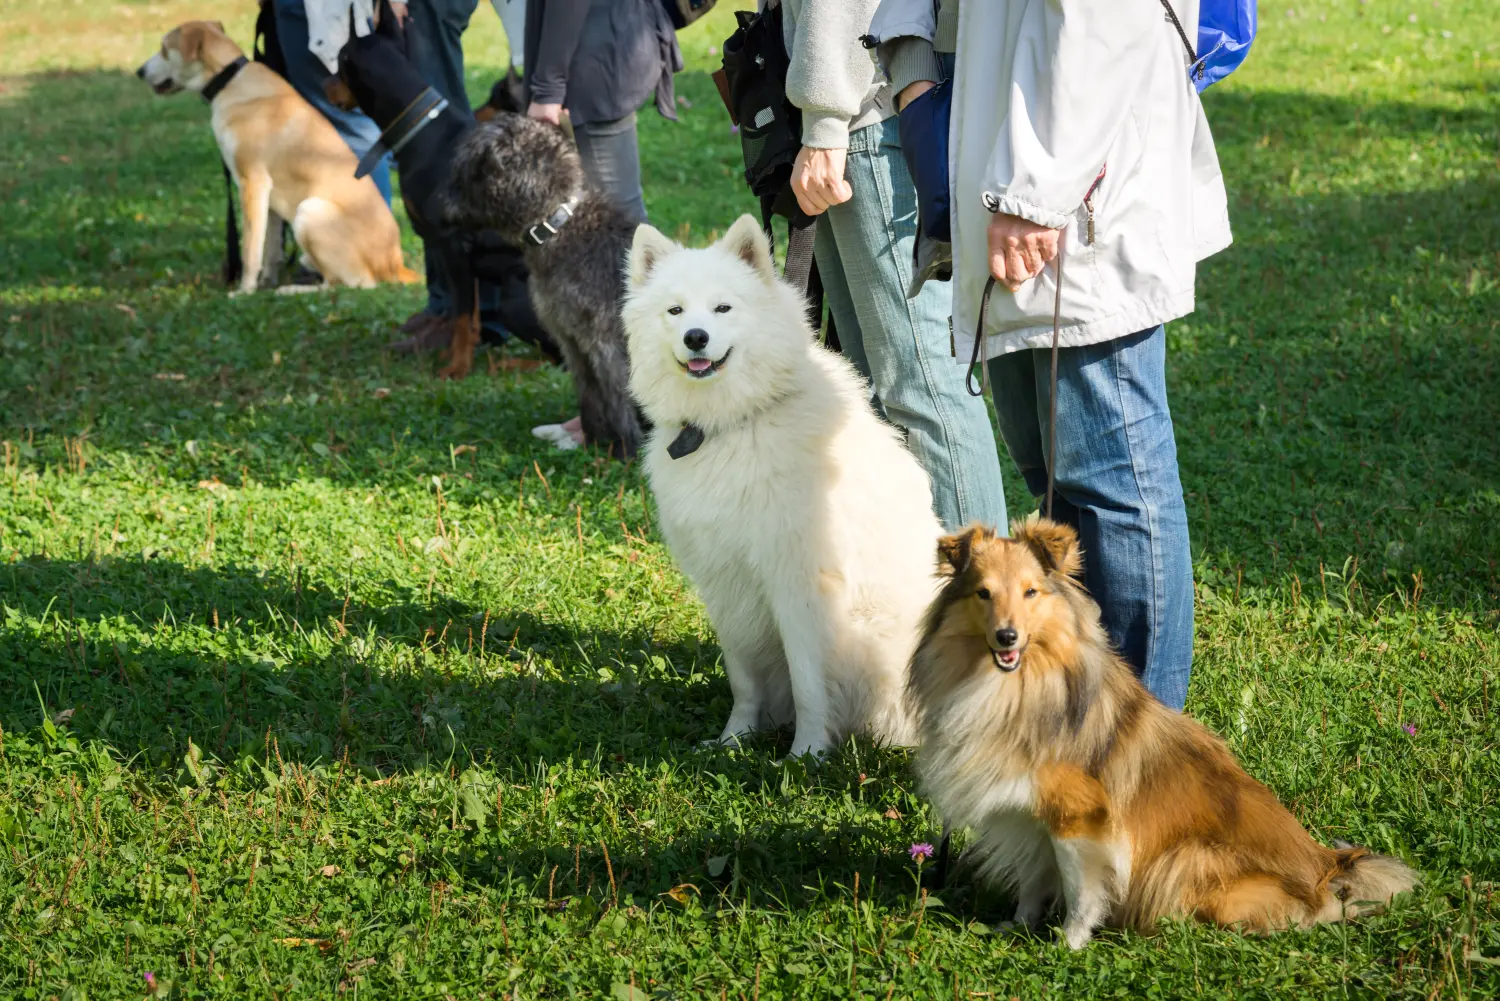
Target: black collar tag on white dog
{"points": [[221, 79], [686, 442]]}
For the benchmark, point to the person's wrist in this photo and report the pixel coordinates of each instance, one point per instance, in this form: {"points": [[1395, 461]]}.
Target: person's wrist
{"points": [[824, 131]]}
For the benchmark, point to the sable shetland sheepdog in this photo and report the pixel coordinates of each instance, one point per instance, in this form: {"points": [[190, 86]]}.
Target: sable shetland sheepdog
{"points": [[1080, 787]]}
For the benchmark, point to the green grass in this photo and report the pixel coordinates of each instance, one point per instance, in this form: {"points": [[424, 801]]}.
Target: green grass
{"points": [[320, 677]]}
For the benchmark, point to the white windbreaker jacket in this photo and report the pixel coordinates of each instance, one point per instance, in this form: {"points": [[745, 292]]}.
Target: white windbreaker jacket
{"points": [[1048, 94]]}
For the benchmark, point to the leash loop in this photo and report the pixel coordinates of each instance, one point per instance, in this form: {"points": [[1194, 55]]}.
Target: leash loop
{"points": [[984, 310]]}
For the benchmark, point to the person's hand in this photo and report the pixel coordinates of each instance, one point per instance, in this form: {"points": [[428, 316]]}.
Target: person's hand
{"points": [[818, 179], [912, 91], [549, 113], [399, 9], [1019, 249]]}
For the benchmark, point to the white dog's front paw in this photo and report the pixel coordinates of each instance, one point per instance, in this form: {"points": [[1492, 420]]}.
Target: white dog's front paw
{"points": [[1078, 934], [807, 746], [729, 738]]}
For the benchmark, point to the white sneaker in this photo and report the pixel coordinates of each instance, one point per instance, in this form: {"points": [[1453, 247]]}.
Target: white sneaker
{"points": [[557, 435]]}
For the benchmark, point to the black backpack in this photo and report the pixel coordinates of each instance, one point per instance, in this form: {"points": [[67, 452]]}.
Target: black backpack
{"points": [[685, 12], [753, 87]]}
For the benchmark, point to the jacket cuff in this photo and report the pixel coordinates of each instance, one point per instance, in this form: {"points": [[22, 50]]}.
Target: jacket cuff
{"points": [[548, 92], [1031, 212], [910, 59], [824, 131]]}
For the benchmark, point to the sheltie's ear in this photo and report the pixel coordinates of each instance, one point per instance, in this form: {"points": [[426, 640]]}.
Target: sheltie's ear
{"points": [[956, 552], [1054, 545]]}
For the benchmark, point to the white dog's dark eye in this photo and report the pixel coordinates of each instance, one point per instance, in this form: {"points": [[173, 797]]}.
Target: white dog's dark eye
{"points": [[675, 310], [1031, 592], [722, 307], [983, 594]]}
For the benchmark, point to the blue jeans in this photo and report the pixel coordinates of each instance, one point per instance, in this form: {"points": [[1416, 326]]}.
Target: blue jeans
{"points": [[864, 255], [306, 73], [1117, 484]]}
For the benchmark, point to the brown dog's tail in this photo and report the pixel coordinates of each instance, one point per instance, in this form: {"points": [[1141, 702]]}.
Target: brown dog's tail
{"points": [[1364, 881]]}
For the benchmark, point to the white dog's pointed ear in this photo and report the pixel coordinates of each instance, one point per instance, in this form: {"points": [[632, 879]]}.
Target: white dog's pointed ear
{"points": [[646, 252], [747, 241]]}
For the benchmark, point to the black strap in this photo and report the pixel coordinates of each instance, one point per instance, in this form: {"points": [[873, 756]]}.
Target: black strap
{"points": [[1052, 395], [984, 312], [415, 117], [800, 266], [979, 336], [221, 79], [267, 47], [234, 263], [1182, 34], [800, 269]]}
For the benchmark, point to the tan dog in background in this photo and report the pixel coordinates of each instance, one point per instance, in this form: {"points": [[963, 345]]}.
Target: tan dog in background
{"points": [[286, 158], [1084, 791]]}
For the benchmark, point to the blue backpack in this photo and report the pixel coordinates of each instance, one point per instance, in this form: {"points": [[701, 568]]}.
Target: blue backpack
{"points": [[1225, 30]]}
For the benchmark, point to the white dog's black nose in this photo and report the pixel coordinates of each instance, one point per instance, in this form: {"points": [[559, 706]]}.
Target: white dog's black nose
{"points": [[141, 71], [1005, 637], [696, 339]]}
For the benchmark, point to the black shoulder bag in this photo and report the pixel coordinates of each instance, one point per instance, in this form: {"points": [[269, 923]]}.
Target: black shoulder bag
{"points": [[753, 87]]}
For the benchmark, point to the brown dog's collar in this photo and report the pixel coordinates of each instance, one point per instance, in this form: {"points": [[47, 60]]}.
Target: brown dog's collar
{"points": [[221, 79]]}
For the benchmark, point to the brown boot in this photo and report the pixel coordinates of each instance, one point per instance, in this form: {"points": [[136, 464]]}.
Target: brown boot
{"points": [[431, 333], [416, 322]]}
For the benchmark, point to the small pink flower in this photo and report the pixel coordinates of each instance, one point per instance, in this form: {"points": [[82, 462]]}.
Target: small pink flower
{"points": [[920, 852], [1411, 731], [150, 981]]}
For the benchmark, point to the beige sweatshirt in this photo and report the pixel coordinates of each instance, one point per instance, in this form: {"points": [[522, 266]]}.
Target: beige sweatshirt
{"points": [[833, 78]]}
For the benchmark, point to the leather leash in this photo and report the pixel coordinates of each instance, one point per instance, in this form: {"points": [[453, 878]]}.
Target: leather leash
{"points": [[1052, 392], [940, 877], [979, 336]]}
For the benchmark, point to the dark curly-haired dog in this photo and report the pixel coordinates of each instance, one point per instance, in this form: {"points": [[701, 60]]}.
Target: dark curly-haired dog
{"points": [[522, 179]]}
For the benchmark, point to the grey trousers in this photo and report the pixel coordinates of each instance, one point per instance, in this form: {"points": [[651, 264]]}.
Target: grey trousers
{"points": [[611, 157]]}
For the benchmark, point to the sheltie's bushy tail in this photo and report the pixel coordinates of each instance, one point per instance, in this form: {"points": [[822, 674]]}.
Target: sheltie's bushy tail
{"points": [[1364, 881]]}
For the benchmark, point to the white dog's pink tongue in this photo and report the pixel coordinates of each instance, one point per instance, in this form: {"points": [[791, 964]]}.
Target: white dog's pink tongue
{"points": [[699, 364]]}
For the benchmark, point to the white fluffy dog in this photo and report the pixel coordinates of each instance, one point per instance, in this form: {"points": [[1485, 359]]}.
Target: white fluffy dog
{"points": [[800, 516]]}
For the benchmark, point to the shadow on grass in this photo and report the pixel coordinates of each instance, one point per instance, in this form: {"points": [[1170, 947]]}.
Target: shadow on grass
{"points": [[393, 681], [258, 669]]}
